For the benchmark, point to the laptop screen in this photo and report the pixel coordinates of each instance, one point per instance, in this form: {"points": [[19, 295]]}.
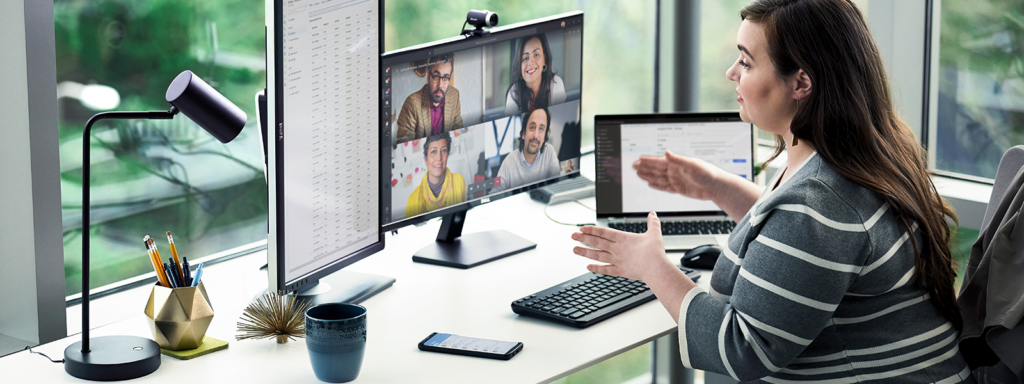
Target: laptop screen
{"points": [[722, 139]]}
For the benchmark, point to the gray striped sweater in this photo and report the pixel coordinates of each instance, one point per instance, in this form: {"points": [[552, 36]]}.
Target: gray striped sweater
{"points": [[818, 284]]}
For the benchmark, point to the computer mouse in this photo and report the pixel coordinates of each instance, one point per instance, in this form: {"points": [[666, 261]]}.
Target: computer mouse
{"points": [[702, 257]]}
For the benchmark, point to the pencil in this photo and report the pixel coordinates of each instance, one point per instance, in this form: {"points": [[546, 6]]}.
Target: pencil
{"points": [[160, 269], [174, 252], [152, 260]]}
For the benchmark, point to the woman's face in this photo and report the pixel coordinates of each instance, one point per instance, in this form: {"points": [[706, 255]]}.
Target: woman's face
{"points": [[533, 61], [437, 158], [766, 100]]}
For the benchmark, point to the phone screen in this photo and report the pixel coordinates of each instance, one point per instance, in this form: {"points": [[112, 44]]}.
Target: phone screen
{"points": [[444, 340]]}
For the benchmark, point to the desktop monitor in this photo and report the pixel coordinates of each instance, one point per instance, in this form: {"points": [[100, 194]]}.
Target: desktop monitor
{"points": [[474, 119], [323, 152]]}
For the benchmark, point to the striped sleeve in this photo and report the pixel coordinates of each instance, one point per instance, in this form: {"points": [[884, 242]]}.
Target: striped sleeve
{"points": [[806, 250]]}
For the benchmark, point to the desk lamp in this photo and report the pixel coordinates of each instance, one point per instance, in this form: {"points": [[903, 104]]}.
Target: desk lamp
{"points": [[111, 358]]}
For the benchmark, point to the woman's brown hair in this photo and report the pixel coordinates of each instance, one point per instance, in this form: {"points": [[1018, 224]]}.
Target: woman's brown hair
{"points": [[522, 94], [849, 118]]}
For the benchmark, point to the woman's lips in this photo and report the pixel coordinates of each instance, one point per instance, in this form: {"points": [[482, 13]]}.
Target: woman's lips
{"points": [[531, 71], [739, 99]]}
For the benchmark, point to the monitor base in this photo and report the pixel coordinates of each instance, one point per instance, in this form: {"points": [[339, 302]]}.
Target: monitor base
{"points": [[343, 287], [468, 251]]}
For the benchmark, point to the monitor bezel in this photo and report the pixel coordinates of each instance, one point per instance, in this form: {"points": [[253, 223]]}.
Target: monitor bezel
{"points": [[641, 118], [276, 259], [464, 206]]}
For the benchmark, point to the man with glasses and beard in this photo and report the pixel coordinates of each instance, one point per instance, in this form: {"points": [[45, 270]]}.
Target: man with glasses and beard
{"points": [[535, 160], [435, 108]]}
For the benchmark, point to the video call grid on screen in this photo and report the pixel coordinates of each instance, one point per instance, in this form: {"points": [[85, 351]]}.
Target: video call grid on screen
{"points": [[465, 89], [329, 62], [621, 192]]}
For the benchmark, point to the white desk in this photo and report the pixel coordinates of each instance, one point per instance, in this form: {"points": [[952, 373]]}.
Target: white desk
{"points": [[425, 298]]}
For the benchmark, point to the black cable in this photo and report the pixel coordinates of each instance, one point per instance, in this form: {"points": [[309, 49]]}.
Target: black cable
{"points": [[47, 357], [464, 27]]}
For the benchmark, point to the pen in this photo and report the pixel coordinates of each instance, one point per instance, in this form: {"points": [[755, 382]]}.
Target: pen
{"points": [[156, 264], [199, 275], [168, 270], [188, 273], [175, 267], [174, 252]]}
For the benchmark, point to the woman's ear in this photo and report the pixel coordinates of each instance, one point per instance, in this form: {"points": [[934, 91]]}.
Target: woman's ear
{"points": [[801, 85]]}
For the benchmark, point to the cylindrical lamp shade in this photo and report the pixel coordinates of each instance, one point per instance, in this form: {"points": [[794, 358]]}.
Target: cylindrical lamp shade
{"points": [[206, 107]]}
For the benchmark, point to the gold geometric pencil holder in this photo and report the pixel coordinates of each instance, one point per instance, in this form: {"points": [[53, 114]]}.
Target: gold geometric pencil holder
{"points": [[179, 317]]}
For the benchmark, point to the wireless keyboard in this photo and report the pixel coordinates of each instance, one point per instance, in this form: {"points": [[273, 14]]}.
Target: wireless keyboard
{"points": [[588, 299]]}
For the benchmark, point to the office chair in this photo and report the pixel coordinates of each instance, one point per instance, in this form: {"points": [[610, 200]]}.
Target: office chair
{"points": [[993, 286]]}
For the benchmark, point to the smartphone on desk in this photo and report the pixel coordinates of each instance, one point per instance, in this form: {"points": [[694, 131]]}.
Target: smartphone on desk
{"points": [[470, 346]]}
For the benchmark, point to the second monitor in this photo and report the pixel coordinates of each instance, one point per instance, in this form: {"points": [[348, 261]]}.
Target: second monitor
{"points": [[469, 120]]}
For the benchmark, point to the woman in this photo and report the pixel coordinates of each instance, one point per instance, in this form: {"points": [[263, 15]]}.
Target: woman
{"points": [[439, 187], [839, 270], [534, 84]]}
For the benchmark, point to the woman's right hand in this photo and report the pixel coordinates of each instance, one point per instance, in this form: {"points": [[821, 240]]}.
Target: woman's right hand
{"points": [[687, 176]]}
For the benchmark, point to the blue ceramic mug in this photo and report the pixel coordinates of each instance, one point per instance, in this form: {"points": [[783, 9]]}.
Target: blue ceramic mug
{"points": [[336, 340]]}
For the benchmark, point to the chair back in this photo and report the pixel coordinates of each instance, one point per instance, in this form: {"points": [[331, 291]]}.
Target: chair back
{"points": [[1009, 166]]}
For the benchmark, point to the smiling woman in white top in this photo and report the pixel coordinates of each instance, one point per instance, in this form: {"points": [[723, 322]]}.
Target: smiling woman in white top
{"points": [[840, 270], [534, 83]]}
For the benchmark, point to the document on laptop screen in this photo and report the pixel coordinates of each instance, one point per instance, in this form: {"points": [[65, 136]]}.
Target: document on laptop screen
{"points": [[725, 144]]}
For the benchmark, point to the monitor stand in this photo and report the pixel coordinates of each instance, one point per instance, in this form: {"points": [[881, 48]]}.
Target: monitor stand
{"points": [[343, 287], [453, 249]]}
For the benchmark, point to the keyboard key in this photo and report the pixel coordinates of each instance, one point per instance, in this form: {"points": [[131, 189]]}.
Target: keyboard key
{"points": [[577, 314], [567, 312], [613, 300], [548, 308]]}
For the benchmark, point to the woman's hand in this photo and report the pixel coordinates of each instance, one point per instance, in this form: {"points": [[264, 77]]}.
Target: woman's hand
{"points": [[630, 255], [687, 176]]}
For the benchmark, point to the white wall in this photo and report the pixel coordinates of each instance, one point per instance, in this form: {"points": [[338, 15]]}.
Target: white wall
{"points": [[15, 191], [31, 245], [898, 27]]}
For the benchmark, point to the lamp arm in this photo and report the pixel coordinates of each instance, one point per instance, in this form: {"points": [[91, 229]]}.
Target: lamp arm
{"points": [[151, 115]]}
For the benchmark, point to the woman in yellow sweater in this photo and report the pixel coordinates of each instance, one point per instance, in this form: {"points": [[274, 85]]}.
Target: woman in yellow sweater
{"points": [[439, 187]]}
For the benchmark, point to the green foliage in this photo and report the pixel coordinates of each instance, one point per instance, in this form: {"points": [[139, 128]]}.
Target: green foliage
{"points": [[984, 36], [621, 368]]}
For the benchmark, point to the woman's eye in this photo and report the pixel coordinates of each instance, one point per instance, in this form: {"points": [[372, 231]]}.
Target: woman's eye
{"points": [[744, 64]]}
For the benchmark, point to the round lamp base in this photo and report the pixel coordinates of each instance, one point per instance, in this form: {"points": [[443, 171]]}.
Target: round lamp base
{"points": [[112, 358]]}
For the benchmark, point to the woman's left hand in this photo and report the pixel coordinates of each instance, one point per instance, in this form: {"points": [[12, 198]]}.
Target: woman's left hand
{"points": [[630, 255]]}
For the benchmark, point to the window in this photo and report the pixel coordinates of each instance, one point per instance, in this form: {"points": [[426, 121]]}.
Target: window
{"points": [[618, 43], [153, 176], [720, 21], [980, 106]]}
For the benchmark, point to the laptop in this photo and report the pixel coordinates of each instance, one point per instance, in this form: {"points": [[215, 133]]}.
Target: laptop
{"points": [[624, 199]]}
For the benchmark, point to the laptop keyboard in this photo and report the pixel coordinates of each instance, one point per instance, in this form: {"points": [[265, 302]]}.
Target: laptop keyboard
{"points": [[704, 227], [588, 299]]}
